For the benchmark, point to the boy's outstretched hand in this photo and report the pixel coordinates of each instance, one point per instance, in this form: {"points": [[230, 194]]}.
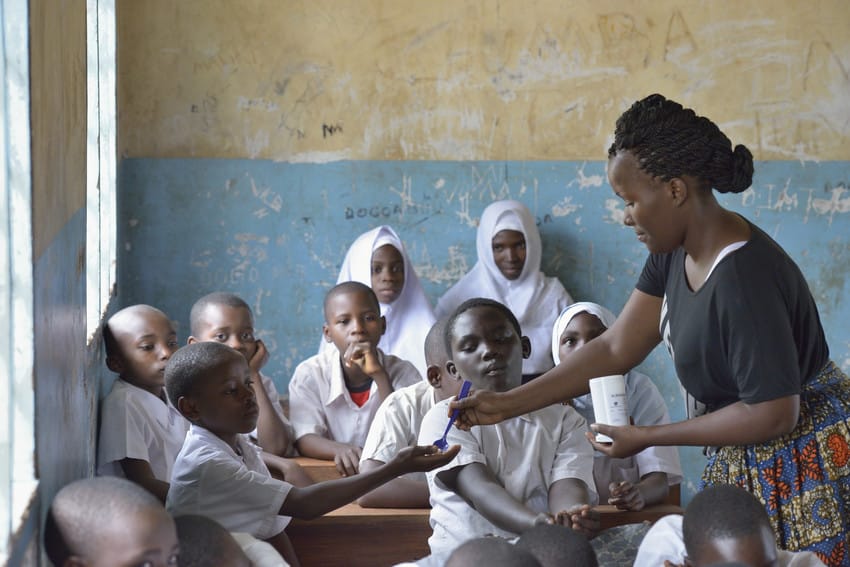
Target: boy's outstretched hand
{"points": [[420, 458]]}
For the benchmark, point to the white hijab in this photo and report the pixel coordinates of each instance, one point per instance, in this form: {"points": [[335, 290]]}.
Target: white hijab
{"points": [[533, 297], [601, 313], [410, 316]]}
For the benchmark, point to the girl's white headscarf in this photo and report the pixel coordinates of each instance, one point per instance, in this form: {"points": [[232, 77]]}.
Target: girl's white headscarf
{"points": [[533, 297], [601, 313], [410, 316]]}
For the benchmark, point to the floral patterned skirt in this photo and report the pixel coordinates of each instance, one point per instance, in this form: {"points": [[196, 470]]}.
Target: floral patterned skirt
{"points": [[803, 478]]}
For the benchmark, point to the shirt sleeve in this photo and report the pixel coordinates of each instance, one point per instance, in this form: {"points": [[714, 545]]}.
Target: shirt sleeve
{"points": [[306, 406], [574, 456], [124, 433], [432, 428], [653, 278], [390, 432]]}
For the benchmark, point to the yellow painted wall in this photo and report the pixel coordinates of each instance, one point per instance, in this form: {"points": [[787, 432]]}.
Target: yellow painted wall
{"points": [[312, 80]]}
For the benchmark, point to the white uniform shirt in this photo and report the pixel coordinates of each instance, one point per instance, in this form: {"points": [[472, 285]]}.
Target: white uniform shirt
{"points": [[396, 425], [320, 403], [526, 453], [646, 407], [238, 492], [271, 391], [664, 542], [260, 553], [135, 424]]}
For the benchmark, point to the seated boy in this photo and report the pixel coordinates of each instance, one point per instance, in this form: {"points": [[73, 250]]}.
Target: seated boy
{"points": [[225, 318], [205, 542], [551, 544], [107, 522], [219, 472], [396, 425], [333, 396], [722, 524], [536, 468], [140, 432], [492, 552]]}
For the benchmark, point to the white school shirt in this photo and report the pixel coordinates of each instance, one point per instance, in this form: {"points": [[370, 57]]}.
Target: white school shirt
{"points": [[135, 424], [259, 552], [396, 425], [238, 492], [271, 391], [646, 407], [320, 403], [664, 542], [526, 453]]}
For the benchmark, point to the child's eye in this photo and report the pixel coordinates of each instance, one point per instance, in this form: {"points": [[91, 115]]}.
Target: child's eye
{"points": [[376, 269], [497, 248], [172, 343], [246, 336], [342, 321], [146, 347], [398, 269], [221, 337]]}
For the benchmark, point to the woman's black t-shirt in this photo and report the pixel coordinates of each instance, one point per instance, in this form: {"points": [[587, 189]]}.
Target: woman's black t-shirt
{"points": [[750, 333]]}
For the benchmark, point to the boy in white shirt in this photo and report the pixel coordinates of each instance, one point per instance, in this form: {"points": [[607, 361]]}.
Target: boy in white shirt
{"points": [[219, 473], [396, 425], [535, 468], [140, 432], [333, 396]]}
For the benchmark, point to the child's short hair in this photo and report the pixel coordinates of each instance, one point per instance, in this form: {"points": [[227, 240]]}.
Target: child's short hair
{"points": [[351, 287], [492, 552], [551, 544], [472, 304], [215, 298], [191, 364], [721, 511], [110, 343], [435, 343], [203, 541], [80, 508]]}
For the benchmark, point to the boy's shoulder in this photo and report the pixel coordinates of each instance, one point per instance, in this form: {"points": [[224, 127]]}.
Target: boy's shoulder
{"points": [[418, 397], [401, 371]]}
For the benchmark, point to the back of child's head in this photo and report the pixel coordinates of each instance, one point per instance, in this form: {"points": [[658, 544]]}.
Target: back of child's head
{"points": [[552, 544], [192, 365], [114, 326], [436, 353], [490, 552], [721, 512], [346, 288], [474, 303], [215, 299], [204, 542], [93, 519]]}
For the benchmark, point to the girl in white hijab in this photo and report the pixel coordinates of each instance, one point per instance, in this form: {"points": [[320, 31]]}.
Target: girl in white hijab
{"points": [[643, 479], [378, 259], [508, 271]]}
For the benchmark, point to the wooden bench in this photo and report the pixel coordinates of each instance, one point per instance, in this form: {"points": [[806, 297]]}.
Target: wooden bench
{"points": [[387, 536]]}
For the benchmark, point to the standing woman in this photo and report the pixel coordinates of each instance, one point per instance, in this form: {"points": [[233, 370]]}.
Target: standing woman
{"points": [[508, 271], [740, 323]]}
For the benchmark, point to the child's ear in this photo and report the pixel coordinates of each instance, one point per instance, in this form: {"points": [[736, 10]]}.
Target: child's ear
{"points": [[434, 375], [526, 346], [115, 363], [450, 366], [326, 332], [191, 340], [188, 408]]}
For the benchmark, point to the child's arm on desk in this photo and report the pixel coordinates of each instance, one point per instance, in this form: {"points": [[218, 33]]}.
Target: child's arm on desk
{"points": [[272, 434], [569, 501], [400, 492], [140, 472], [651, 489], [479, 486], [346, 457], [313, 501]]}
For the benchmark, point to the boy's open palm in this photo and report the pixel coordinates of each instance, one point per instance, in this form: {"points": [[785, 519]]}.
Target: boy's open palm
{"points": [[418, 458]]}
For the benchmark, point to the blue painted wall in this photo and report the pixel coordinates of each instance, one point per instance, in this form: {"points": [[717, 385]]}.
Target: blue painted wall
{"points": [[276, 233]]}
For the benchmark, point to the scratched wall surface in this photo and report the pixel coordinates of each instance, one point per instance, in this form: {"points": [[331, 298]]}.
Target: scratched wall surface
{"points": [[316, 80]]}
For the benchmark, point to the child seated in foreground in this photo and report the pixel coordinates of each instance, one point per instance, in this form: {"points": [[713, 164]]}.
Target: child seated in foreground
{"points": [[634, 482], [535, 468], [108, 522], [722, 524], [219, 472], [205, 542], [140, 431], [333, 396], [492, 552], [396, 425], [225, 318], [551, 545]]}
